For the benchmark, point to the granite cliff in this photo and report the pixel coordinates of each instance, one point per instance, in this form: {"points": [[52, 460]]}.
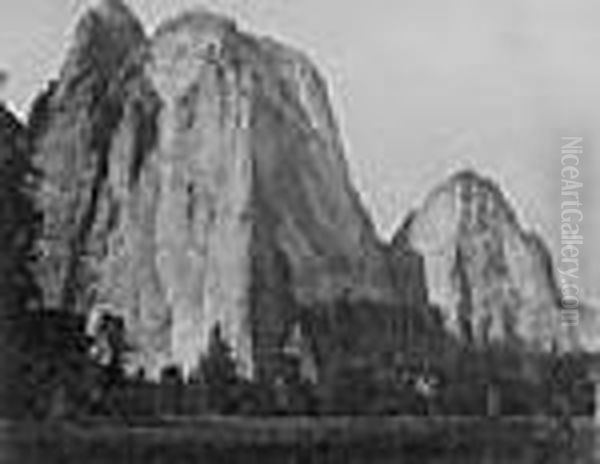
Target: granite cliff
{"points": [[492, 280], [196, 178]]}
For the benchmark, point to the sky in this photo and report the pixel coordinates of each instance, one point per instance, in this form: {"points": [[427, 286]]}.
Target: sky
{"points": [[421, 89]]}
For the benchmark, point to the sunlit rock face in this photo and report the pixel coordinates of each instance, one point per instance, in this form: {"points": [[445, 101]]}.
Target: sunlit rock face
{"points": [[492, 280], [197, 178]]}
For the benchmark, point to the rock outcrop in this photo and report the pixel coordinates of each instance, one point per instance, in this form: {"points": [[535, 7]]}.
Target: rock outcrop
{"points": [[72, 126], [492, 280], [196, 179]]}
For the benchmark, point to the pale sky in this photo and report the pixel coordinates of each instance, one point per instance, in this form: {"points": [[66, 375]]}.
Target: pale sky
{"points": [[421, 88]]}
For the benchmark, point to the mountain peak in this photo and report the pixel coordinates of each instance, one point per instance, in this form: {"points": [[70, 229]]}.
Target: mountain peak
{"points": [[467, 175], [107, 33], [213, 193], [200, 20], [109, 15], [481, 198], [491, 279], [112, 9], [472, 178]]}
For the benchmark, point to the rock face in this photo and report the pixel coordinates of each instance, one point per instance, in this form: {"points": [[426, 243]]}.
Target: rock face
{"points": [[197, 179], [491, 279], [72, 124]]}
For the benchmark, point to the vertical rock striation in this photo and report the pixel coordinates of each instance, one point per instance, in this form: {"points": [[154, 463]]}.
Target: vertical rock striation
{"points": [[492, 280], [72, 125], [193, 179]]}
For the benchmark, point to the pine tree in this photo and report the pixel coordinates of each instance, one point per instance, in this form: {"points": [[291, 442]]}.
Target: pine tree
{"points": [[219, 372], [19, 224], [19, 220]]}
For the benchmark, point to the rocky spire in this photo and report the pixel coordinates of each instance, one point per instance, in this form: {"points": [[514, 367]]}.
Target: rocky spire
{"points": [[72, 124], [105, 36], [505, 267]]}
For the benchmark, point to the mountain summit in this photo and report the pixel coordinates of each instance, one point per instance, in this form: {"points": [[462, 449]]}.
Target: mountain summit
{"points": [[492, 280], [197, 179]]}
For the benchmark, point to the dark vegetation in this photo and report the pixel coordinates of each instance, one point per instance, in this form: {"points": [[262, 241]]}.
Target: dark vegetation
{"points": [[56, 372]]}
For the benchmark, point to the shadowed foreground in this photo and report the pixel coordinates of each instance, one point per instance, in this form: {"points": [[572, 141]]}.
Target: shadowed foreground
{"points": [[299, 440]]}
